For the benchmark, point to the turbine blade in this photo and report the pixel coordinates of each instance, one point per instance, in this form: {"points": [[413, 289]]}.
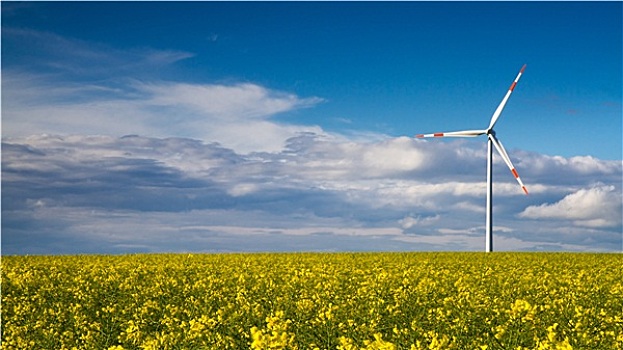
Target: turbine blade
{"points": [[498, 111], [466, 133], [507, 160]]}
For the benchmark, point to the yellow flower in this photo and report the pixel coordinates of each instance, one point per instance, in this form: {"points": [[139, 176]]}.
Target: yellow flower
{"points": [[379, 344], [346, 344]]}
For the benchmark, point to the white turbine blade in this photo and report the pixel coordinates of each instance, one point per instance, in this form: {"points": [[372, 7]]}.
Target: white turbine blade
{"points": [[507, 160], [466, 133], [498, 111]]}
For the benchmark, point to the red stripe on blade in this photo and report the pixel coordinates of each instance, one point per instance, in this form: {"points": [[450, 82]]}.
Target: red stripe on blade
{"points": [[419, 136], [514, 173], [512, 86], [524, 189], [438, 134]]}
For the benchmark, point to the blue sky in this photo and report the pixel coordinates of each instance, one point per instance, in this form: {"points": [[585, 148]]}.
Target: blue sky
{"points": [[288, 126]]}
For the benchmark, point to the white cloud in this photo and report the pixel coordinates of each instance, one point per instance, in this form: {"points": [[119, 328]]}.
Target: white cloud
{"points": [[333, 157], [598, 206], [250, 136], [238, 116], [237, 102], [393, 155], [409, 221], [578, 164], [242, 189]]}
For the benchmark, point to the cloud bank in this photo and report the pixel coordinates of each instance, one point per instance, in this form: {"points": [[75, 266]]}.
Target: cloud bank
{"points": [[68, 194]]}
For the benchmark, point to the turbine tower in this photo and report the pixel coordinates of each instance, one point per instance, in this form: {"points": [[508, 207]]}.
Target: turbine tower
{"points": [[493, 141]]}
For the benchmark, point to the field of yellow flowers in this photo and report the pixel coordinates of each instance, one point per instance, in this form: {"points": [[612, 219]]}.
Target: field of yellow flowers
{"points": [[314, 301]]}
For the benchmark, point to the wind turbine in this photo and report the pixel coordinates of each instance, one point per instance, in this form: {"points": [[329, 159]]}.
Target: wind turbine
{"points": [[492, 141]]}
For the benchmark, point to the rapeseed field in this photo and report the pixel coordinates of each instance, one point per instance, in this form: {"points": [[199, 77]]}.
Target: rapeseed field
{"points": [[339, 301]]}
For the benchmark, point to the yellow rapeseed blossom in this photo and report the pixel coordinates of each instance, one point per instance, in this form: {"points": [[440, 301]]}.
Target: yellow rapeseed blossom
{"points": [[378, 343], [275, 336], [521, 309], [349, 301]]}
